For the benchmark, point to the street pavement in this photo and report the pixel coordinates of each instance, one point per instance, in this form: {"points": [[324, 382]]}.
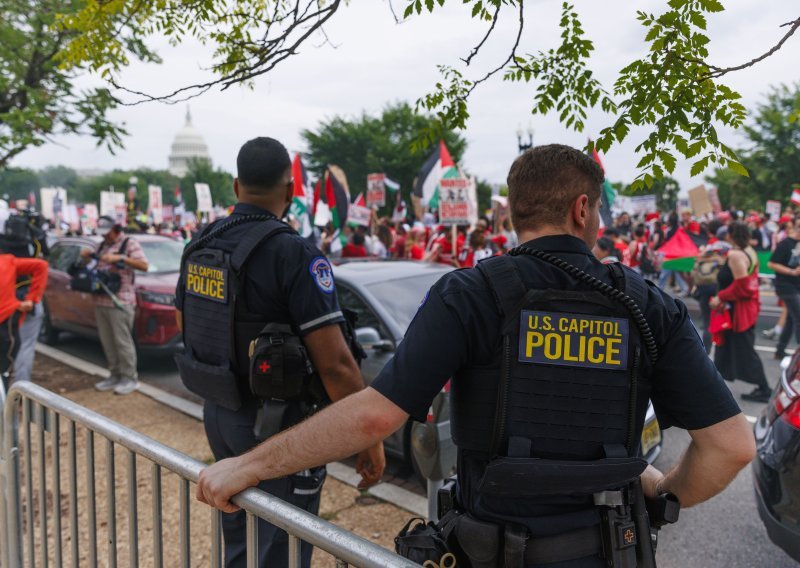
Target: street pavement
{"points": [[725, 532]]}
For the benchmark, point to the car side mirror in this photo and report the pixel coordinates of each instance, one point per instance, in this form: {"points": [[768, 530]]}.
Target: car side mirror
{"points": [[369, 338]]}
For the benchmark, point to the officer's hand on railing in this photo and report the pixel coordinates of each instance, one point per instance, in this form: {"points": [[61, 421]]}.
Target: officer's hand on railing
{"points": [[651, 477], [370, 465], [218, 483]]}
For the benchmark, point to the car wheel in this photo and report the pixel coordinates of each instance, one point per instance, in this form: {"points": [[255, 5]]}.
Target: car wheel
{"points": [[48, 334]]}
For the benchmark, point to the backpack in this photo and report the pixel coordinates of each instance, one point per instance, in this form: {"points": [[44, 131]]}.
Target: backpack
{"points": [[706, 269]]}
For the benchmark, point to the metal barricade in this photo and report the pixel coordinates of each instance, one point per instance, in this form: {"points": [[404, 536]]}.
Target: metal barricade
{"points": [[26, 492]]}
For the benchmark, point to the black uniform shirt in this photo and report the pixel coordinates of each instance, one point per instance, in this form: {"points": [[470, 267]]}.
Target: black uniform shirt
{"points": [[287, 279], [458, 325]]}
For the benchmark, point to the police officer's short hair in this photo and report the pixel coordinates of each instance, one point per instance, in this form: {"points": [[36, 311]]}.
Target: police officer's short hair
{"points": [[261, 163], [545, 180]]}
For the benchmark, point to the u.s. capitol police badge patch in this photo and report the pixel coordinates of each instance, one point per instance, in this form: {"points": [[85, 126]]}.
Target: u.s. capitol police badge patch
{"points": [[322, 274]]}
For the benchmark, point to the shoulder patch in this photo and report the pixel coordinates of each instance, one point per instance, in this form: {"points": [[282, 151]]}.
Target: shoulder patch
{"points": [[322, 274]]}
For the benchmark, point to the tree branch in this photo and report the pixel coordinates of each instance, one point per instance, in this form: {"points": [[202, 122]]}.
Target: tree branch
{"points": [[478, 47], [511, 56]]}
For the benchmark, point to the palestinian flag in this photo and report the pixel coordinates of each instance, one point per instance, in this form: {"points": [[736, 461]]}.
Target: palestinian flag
{"points": [[390, 184], [360, 201], [606, 196], [438, 166], [337, 195], [299, 207], [177, 194]]}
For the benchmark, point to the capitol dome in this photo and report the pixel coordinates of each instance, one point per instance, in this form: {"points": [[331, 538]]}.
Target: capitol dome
{"points": [[188, 144]]}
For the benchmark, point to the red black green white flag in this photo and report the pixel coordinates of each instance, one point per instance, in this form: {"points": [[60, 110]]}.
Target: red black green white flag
{"points": [[299, 208], [438, 166]]}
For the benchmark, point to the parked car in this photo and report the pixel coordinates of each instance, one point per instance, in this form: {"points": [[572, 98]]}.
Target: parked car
{"points": [[776, 468], [386, 295], [68, 310]]}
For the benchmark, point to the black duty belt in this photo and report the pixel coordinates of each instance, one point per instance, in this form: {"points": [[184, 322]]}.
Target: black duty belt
{"points": [[564, 547]]}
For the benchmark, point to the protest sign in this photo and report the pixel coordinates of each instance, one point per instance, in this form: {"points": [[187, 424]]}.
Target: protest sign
{"points": [[376, 190], [698, 198], [109, 201], [155, 203], [713, 197], [454, 201], [642, 204], [204, 203], [773, 209], [54, 199], [359, 215]]}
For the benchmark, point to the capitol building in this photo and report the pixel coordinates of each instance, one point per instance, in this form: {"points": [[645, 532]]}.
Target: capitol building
{"points": [[188, 144]]}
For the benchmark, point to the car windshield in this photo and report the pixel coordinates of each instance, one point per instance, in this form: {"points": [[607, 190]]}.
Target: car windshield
{"points": [[402, 297], [163, 255]]}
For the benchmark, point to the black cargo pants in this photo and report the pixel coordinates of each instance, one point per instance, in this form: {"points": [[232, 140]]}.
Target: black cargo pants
{"points": [[231, 434]]}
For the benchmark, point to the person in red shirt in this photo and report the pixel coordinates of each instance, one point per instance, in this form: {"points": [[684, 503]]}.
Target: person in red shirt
{"points": [[620, 245], [355, 248], [442, 249], [13, 310], [416, 250]]}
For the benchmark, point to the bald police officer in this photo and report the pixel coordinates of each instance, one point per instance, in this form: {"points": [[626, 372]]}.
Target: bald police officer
{"points": [[553, 357], [250, 285]]}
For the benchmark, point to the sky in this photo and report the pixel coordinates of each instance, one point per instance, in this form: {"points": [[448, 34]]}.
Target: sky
{"points": [[371, 61]]}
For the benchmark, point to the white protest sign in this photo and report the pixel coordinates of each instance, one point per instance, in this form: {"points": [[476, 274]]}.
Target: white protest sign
{"points": [[155, 203], [54, 199], [204, 203], [642, 204], [90, 215], [376, 190], [454, 201], [359, 215], [773, 209], [109, 201]]}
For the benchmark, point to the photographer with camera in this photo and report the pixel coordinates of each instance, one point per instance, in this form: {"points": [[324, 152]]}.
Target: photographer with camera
{"points": [[117, 257]]}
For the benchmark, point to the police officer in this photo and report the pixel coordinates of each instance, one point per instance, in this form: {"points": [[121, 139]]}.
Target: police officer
{"points": [[553, 357], [242, 277]]}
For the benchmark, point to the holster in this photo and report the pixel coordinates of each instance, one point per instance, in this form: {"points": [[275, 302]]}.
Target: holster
{"points": [[213, 383], [270, 419]]}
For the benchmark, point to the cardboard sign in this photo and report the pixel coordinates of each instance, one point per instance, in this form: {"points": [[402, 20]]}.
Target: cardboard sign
{"points": [[713, 197], [454, 201], [204, 203], [773, 209], [109, 201], [699, 202], [359, 215], [376, 190]]}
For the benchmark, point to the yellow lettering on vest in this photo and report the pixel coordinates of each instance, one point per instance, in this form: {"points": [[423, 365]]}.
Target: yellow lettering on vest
{"points": [[547, 323], [533, 322], [592, 355], [584, 325], [573, 326], [535, 339], [563, 324], [568, 356], [552, 346], [611, 352]]}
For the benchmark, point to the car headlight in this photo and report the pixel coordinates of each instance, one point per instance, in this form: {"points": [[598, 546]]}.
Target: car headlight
{"points": [[157, 298]]}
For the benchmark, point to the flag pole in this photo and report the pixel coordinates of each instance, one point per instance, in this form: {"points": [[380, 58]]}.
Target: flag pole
{"points": [[454, 237]]}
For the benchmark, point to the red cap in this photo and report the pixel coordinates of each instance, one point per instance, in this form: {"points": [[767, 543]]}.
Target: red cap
{"points": [[651, 216], [500, 240], [785, 219], [694, 227]]}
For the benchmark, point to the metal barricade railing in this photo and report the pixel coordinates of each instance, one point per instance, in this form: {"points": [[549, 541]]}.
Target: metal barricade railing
{"points": [[56, 418]]}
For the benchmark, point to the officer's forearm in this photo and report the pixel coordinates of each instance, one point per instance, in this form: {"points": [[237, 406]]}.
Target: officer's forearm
{"points": [[713, 459], [358, 422]]}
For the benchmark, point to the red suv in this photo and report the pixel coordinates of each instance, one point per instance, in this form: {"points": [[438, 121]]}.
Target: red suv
{"points": [[68, 310]]}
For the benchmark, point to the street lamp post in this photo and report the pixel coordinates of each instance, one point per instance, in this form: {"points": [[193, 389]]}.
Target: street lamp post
{"points": [[522, 145]]}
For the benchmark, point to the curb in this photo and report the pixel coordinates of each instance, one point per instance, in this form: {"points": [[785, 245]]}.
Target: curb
{"points": [[397, 496]]}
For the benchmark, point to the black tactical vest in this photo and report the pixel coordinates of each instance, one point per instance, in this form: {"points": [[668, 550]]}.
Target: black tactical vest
{"points": [[217, 328], [551, 422]]}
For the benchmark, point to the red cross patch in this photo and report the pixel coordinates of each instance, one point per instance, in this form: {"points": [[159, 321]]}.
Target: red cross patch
{"points": [[264, 367]]}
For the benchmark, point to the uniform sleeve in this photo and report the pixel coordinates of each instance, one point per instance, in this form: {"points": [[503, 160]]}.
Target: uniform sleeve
{"points": [[688, 391], [310, 289], [434, 348]]}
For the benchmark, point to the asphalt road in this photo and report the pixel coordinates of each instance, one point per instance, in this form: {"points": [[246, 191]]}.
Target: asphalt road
{"points": [[725, 532]]}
